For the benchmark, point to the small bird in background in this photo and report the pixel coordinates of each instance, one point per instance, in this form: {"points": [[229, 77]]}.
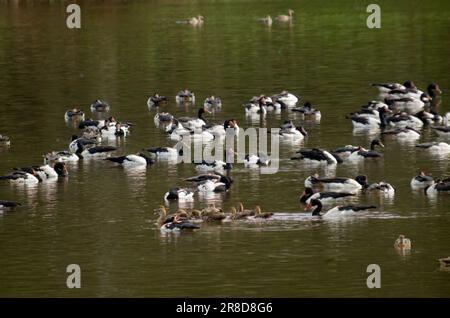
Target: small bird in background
{"points": [[267, 20], [402, 243], [445, 263], [195, 21], [285, 18]]}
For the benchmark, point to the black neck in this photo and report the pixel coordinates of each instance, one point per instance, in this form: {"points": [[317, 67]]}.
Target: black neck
{"points": [[317, 209]]}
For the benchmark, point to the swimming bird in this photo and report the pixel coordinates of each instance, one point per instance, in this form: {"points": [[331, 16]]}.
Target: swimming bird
{"points": [[363, 153], [440, 186], [253, 160], [403, 133], [309, 194], [402, 243], [46, 171], [212, 182], [180, 194], [316, 155], [308, 111], [22, 177], [285, 18], [64, 156], [385, 88], [445, 262], [257, 105], [267, 20], [74, 114], [185, 96], [382, 187], [96, 151], [99, 106], [338, 183], [212, 102], [165, 152], [4, 140], [293, 132], [8, 204], [286, 98], [176, 222], [349, 150], [77, 144], [193, 123], [216, 165], [194, 21], [262, 215], [435, 147], [132, 160], [422, 180], [338, 211], [442, 130], [156, 100]]}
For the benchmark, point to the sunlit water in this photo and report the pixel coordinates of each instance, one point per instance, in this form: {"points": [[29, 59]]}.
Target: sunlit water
{"points": [[101, 217]]}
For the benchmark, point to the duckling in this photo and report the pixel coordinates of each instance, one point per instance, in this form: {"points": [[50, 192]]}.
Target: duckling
{"points": [[237, 215], [212, 214], [402, 243], [260, 215], [195, 21], [185, 96], [245, 212]]}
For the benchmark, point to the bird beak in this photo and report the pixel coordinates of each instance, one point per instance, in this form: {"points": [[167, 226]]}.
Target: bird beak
{"points": [[308, 207], [381, 144]]}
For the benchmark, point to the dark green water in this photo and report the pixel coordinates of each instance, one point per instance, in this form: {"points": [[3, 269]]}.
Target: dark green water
{"points": [[102, 218]]}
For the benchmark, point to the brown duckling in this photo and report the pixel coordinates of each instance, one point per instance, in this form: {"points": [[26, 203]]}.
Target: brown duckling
{"points": [[259, 214]]}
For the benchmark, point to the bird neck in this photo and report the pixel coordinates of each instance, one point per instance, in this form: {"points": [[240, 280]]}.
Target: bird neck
{"points": [[317, 209]]}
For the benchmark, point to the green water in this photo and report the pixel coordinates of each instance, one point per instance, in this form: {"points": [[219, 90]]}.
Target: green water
{"points": [[102, 217]]}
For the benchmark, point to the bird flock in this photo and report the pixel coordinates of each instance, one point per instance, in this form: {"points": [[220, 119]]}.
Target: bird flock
{"points": [[402, 111]]}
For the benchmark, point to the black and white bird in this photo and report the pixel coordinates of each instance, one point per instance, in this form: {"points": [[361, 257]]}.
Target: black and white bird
{"points": [[382, 187], [212, 102], [287, 98], [4, 140], [407, 133], [316, 155], [435, 147], [78, 144], [46, 171], [215, 165], [74, 114], [165, 152], [156, 100], [422, 180], [255, 160], [308, 111], [213, 182], [441, 186], [132, 160], [309, 194], [442, 130], [8, 204], [338, 211], [180, 194], [185, 96], [99, 106], [22, 177], [337, 184], [349, 149], [193, 123], [64, 156], [363, 153]]}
